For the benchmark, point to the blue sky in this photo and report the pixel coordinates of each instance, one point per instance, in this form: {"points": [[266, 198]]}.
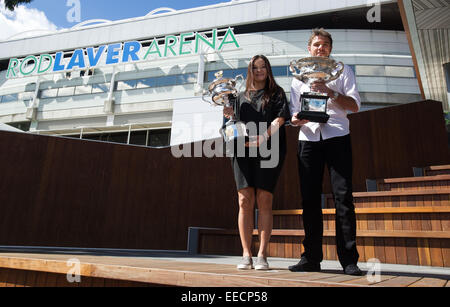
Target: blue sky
{"points": [[56, 10]]}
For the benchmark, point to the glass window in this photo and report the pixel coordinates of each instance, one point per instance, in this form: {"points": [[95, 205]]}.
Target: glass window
{"points": [[159, 138], [94, 137], [229, 73], [84, 89], [180, 79], [151, 138], [280, 71], [126, 85], [211, 76], [366, 70], [10, 98], [186, 78], [240, 71], [49, 93], [102, 137], [400, 71], [66, 91], [138, 138], [121, 138], [100, 88], [24, 126], [145, 83], [166, 81], [162, 81], [76, 136]]}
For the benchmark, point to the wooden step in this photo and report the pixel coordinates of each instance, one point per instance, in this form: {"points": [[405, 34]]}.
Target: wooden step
{"points": [[395, 247], [409, 198], [420, 219], [398, 235], [414, 183], [399, 210], [436, 170], [332, 233]]}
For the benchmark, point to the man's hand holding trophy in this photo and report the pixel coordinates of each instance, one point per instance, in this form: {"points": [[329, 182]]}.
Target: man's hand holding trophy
{"points": [[316, 72]]}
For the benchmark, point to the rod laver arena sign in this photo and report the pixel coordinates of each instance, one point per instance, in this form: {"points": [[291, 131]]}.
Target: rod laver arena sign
{"points": [[128, 52]]}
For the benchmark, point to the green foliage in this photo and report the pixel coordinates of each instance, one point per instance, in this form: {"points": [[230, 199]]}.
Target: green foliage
{"points": [[447, 118], [12, 4]]}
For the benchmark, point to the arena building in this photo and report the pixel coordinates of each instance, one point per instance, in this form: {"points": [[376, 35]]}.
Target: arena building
{"points": [[140, 81]]}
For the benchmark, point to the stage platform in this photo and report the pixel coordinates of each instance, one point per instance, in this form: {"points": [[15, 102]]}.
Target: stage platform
{"points": [[39, 267]]}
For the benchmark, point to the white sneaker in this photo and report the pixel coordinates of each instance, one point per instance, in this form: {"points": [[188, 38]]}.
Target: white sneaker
{"points": [[246, 264], [261, 264]]}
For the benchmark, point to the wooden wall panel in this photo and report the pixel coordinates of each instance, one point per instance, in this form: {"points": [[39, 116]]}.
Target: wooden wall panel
{"points": [[66, 192], [395, 139]]}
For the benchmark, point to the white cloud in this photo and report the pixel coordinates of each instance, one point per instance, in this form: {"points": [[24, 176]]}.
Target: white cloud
{"points": [[23, 19]]}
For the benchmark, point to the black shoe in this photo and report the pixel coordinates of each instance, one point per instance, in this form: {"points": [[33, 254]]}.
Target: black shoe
{"points": [[352, 269], [305, 266]]}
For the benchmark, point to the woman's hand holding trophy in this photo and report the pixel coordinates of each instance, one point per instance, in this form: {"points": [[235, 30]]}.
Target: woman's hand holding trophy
{"points": [[219, 93]]}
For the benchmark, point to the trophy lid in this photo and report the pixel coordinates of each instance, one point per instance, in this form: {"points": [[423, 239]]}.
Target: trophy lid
{"points": [[317, 60], [220, 80], [316, 69]]}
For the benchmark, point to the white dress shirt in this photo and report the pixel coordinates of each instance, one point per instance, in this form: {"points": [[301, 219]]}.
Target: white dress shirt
{"points": [[338, 125]]}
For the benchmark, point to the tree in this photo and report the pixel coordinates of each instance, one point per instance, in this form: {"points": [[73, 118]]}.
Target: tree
{"points": [[12, 4]]}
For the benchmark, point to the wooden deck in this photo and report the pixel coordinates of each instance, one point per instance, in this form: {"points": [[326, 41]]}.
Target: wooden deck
{"points": [[42, 270]]}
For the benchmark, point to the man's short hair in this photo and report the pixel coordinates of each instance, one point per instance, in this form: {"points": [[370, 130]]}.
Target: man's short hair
{"points": [[321, 32]]}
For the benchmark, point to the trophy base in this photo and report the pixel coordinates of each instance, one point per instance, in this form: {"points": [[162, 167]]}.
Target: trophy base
{"points": [[235, 137], [233, 131], [314, 107], [315, 117]]}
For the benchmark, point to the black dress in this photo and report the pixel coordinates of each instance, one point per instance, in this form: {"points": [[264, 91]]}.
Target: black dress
{"points": [[261, 170]]}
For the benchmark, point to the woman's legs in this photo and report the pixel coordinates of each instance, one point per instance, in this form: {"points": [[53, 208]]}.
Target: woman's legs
{"points": [[247, 201], [264, 200], [246, 220]]}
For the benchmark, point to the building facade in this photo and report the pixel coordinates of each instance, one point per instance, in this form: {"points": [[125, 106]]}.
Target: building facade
{"points": [[150, 72]]}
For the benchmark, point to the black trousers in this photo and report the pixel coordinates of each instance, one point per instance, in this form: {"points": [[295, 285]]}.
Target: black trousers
{"points": [[336, 153]]}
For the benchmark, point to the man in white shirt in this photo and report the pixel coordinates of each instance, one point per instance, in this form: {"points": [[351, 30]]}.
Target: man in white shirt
{"points": [[330, 144]]}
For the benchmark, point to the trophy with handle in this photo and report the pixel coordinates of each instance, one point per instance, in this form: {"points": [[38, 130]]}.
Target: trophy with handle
{"points": [[311, 70], [223, 92]]}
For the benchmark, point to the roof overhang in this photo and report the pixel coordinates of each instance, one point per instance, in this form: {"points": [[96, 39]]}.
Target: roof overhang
{"points": [[427, 25], [222, 15]]}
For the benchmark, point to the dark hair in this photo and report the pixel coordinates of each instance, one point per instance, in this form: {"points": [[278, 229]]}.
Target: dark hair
{"points": [[271, 87], [320, 32]]}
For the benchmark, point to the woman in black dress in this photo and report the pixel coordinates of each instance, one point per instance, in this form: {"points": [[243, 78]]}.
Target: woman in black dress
{"points": [[264, 104]]}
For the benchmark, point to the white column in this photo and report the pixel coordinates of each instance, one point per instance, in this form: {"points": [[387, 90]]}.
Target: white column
{"points": [[201, 75], [109, 103], [34, 105]]}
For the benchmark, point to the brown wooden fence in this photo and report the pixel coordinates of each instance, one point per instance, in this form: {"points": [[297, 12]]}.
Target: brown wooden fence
{"points": [[73, 193]]}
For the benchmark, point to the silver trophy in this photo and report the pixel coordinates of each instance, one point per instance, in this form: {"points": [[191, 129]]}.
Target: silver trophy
{"points": [[223, 92], [309, 71]]}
